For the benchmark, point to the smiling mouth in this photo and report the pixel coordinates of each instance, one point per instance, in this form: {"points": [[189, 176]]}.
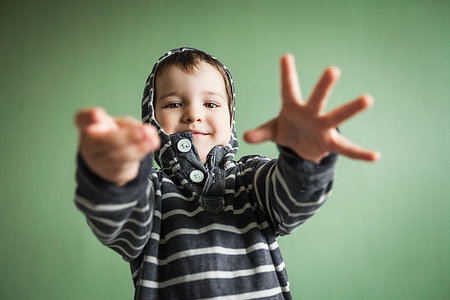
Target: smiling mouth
{"points": [[196, 133]]}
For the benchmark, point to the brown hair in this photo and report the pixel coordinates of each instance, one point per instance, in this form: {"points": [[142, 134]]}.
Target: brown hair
{"points": [[188, 61]]}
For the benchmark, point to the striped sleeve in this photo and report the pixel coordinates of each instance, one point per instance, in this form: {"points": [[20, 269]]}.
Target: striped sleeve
{"points": [[291, 189], [120, 217]]}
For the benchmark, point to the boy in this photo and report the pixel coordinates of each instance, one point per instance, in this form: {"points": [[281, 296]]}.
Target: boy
{"points": [[205, 226]]}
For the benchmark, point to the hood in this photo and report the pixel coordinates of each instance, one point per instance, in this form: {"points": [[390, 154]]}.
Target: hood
{"points": [[166, 155]]}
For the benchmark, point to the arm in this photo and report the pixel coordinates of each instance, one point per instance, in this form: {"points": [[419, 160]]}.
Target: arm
{"points": [[293, 188], [119, 212], [120, 217]]}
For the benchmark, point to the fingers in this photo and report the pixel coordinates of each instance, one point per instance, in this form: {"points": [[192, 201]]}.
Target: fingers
{"points": [[319, 97], [290, 86], [99, 132], [345, 147], [346, 111], [127, 120], [125, 135], [95, 117], [86, 117], [129, 153], [263, 133]]}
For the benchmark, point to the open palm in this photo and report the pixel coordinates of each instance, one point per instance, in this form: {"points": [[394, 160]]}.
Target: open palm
{"points": [[304, 127]]}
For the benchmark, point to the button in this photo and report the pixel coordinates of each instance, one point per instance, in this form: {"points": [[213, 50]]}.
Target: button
{"points": [[196, 176], [184, 145]]}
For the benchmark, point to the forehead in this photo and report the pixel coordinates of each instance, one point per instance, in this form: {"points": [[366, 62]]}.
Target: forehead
{"points": [[202, 77]]}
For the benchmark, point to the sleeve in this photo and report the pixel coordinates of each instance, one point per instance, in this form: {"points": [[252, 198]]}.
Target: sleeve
{"points": [[290, 189], [120, 217]]}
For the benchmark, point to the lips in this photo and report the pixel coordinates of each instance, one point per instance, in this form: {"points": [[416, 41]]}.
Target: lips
{"points": [[198, 133]]}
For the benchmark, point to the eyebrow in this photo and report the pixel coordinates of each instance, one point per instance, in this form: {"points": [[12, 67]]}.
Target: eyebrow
{"points": [[215, 94], [176, 93]]}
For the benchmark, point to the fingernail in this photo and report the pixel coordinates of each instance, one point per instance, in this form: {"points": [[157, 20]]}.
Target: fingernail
{"points": [[368, 100], [336, 71], [377, 156], [96, 114]]}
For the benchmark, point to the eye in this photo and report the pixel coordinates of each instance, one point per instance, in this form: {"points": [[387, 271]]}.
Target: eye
{"points": [[211, 104], [173, 105]]}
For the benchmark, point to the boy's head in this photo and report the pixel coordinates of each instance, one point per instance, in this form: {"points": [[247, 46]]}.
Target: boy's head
{"points": [[189, 60], [192, 92]]}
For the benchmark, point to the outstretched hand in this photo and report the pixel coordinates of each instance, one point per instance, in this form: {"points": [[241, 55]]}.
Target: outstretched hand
{"points": [[304, 127], [113, 147]]}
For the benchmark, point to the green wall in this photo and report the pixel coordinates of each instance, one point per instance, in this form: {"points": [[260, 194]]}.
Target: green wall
{"points": [[385, 232]]}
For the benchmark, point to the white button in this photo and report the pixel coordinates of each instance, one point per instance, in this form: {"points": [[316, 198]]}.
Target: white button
{"points": [[196, 176], [184, 145]]}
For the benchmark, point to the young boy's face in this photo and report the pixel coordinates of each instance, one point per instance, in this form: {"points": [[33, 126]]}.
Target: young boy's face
{"points": [[194, 101]]}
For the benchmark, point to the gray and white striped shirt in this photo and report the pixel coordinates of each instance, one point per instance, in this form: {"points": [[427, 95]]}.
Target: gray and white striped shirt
{"points": [[194, 231]]}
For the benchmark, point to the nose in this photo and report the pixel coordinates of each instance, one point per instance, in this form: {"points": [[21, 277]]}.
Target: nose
{"points": [[193, 113]]}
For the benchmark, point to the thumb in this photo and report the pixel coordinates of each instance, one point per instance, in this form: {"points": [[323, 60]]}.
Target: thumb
{"points": [[96, 116], [88, 116], [262, 133]]}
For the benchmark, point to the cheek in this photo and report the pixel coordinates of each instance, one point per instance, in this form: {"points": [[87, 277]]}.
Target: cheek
{"points": [[164, 121], [222, 125]]}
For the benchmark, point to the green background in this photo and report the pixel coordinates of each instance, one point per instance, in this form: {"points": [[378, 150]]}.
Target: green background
{"points": [[385, 232]]}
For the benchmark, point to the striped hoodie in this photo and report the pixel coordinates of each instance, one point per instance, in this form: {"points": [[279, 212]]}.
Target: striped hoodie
{"points": [[194, 231]]}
